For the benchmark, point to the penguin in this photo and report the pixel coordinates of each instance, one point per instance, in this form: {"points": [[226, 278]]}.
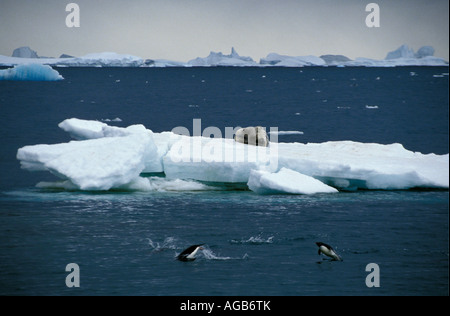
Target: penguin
{"points": [[328, 251], [189, 253]]}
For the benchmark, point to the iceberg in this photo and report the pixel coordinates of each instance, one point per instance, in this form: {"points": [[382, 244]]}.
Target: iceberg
{"points": [[335, 60], [104, 157], [106, 59], [274, 59], [24, 52], [403, 56], [424, 51], [402, 52], [30, 72], [219, 59]]}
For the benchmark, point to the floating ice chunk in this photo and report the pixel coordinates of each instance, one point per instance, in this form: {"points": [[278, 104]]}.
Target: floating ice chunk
{"points": [[286, 181], [95, 164], [286, 133], [114, 157], [85, 129], [353, 165], [30, 72], [117, 119]]}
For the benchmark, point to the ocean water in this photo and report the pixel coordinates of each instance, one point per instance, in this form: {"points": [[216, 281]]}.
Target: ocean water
{"points": [[125, 243]]}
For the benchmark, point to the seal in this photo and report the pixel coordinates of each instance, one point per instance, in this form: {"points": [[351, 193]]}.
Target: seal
{"points": [[253, 135]]}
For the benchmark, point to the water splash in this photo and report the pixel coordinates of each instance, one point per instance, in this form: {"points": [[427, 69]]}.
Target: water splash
{"points": [[254, 240], [168, 243], [208, 254]]}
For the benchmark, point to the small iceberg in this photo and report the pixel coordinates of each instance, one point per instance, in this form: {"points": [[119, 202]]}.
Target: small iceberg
{"points": [[30, 72], [286, 181]]}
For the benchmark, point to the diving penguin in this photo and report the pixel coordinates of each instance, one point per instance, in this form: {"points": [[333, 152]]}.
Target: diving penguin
{"points": [[189, 253], [328, 251]]}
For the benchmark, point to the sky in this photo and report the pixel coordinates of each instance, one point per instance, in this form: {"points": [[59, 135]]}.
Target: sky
{"points": [[182, 30]]}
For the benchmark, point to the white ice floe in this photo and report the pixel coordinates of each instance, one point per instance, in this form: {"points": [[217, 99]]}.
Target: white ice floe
{"points": [[286, 181], [30, 72], [286, 132], [106, 157]]}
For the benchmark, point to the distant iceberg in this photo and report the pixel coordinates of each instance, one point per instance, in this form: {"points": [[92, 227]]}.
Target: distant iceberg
{"points": [[105, 157], [402, 52], [219, 59], [30, 72], [274, 59], [402, 56], [106, 59], [335, 60], [25, 52]]}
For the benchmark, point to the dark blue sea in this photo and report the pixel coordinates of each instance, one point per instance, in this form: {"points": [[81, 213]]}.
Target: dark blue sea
{"points": [[125, 242]]}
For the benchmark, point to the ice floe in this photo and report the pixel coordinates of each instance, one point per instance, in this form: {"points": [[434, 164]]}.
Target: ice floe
{"points": [[106, 157]]}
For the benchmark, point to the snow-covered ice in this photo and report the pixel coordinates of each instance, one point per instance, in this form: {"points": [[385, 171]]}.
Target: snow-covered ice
{"points": [[30, 72], [402, 56], [274, 59], [106, 59], [106, 157], [286, 181]]}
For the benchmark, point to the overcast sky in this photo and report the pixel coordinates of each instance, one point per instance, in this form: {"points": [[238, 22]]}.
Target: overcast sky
{"points": [[184, 29]]}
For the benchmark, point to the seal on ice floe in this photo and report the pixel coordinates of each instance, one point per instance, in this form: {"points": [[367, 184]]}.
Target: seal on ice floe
{"points": [[253, 135]]}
